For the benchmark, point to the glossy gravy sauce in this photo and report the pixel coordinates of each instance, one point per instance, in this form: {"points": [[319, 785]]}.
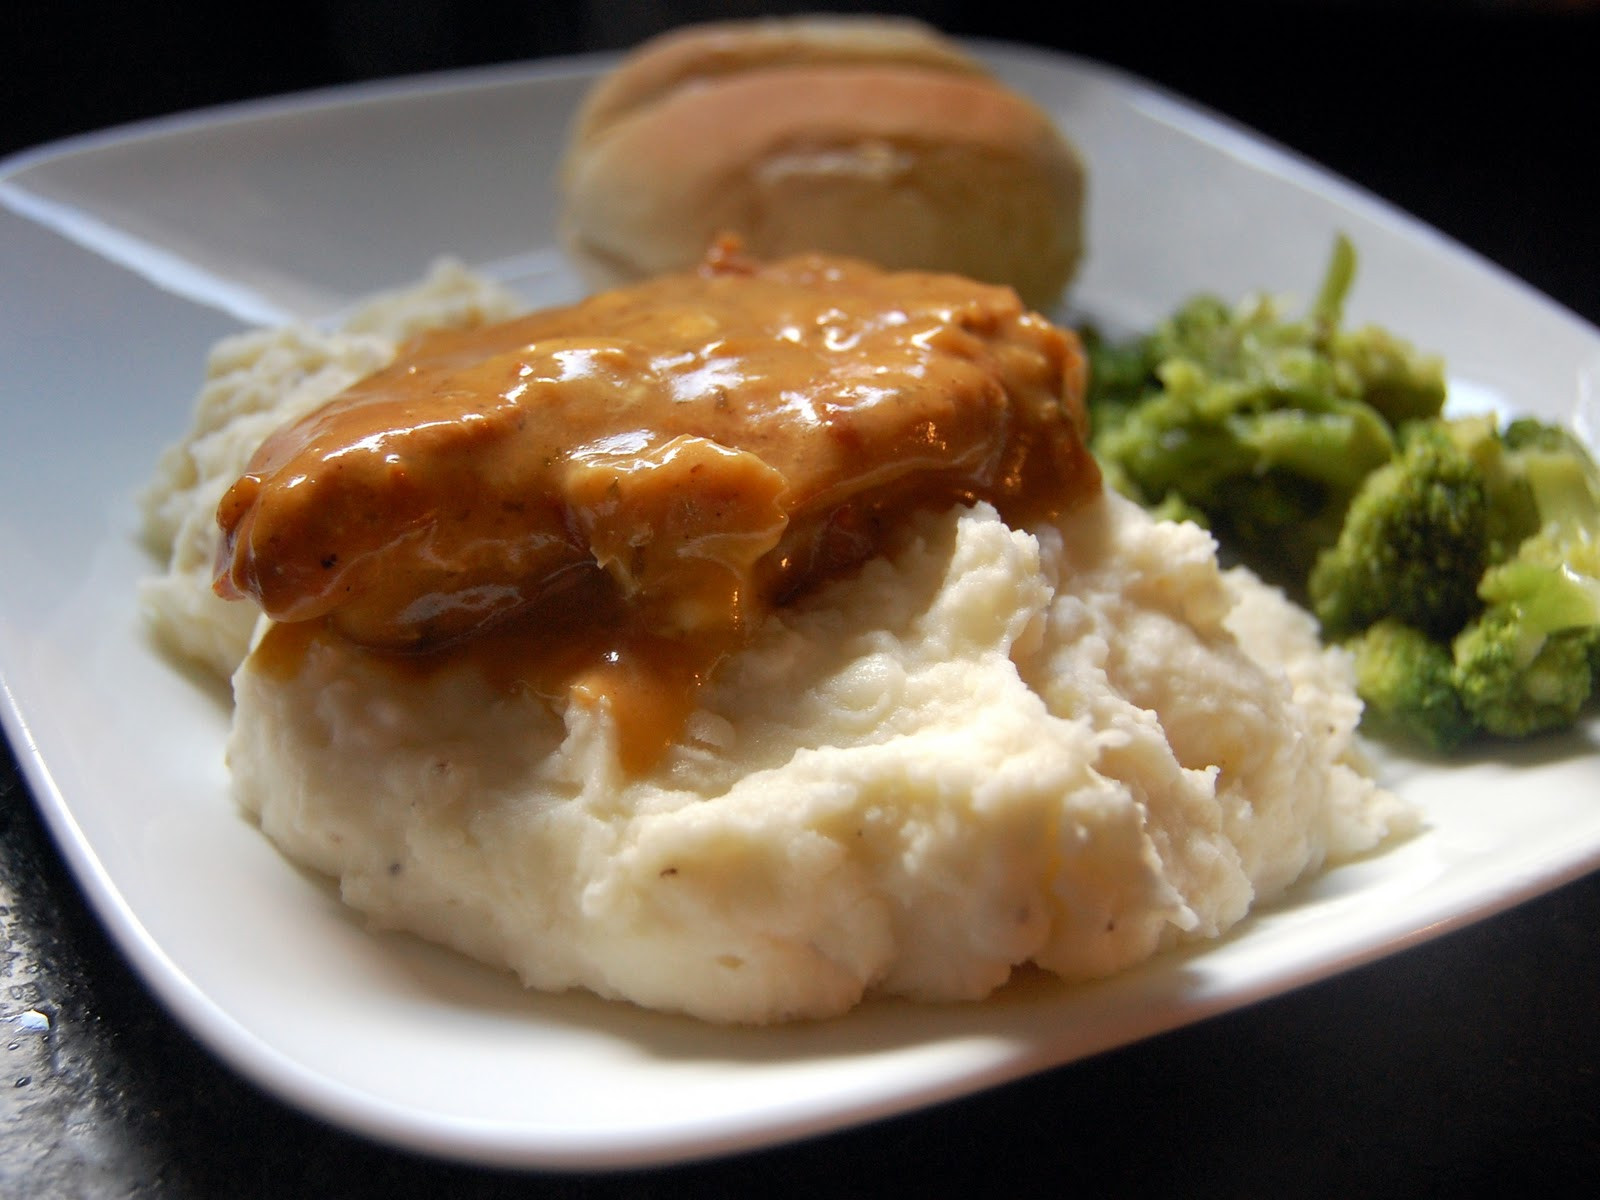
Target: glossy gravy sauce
{"points": [[596, 503]]}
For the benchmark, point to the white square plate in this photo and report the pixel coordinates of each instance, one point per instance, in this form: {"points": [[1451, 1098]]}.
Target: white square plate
{"points": [[127, 254]]}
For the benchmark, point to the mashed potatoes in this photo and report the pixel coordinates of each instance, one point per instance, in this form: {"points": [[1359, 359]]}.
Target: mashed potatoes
{"points": [[1073, 745]]}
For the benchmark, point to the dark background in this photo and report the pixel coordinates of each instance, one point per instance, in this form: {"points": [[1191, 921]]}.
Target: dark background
{"points": [[1465, 1066], [1480, 116]]}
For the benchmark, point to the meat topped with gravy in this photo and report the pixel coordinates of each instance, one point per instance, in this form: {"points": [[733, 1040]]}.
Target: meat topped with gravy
{"points": [[657, 465]]}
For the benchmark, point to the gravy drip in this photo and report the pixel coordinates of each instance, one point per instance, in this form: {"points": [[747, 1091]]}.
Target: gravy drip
{"points": [[599, 501]]}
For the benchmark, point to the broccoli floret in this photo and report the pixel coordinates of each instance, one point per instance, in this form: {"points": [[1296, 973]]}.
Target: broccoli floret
{"points": [[1389, 375], [1486, 543], [1262, 424], [1561, 480], [1552, 584], [1407, 681], [1459, 561], [1268, 453], [1515, 685], [1513, 513], [1530, 433], [1529, 663], [1413, 545], [1384, 370]]}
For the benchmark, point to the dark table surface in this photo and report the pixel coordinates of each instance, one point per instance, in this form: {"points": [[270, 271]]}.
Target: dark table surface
{"points": [[1462, 1066]]}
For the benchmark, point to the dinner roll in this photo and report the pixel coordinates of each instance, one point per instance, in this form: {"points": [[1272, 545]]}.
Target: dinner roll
{"points": [[860, 136]]}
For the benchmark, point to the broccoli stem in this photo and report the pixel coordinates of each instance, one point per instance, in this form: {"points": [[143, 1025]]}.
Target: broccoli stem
{"points": [[1327, 313]]}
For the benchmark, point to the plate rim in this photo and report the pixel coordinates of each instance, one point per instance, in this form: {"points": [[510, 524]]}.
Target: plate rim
{"points": [[476, 1141]]}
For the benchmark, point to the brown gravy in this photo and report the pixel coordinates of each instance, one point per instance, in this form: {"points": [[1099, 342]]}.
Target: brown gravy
{"points": [[598, 501]]}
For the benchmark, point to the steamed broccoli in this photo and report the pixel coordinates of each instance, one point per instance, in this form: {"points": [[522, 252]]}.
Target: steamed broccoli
{"points": [[1482, 542], [1515, 681], [1407, 680], [1459, 561], [1414, 543], [1263, 426], [1530, 662]]}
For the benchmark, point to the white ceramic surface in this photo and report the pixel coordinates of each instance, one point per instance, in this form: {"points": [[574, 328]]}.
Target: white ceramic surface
{"points": [[125, 255]]}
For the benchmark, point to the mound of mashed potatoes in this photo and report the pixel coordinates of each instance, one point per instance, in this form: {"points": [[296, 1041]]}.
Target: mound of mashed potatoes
{"points": [[1072, 745]]}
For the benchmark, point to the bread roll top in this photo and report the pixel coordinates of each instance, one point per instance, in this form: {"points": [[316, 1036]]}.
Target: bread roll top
{"points": [[877, 140], [721, 48]]}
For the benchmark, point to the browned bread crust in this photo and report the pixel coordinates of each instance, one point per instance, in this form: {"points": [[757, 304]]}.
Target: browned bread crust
{"points": [[859, 136]]}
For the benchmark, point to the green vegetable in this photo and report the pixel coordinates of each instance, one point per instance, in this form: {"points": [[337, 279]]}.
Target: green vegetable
{"points": [[1414, 543], [1263, 426], [1530, 662], [1459, 561], [1407, 680], [1514, 684]]}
